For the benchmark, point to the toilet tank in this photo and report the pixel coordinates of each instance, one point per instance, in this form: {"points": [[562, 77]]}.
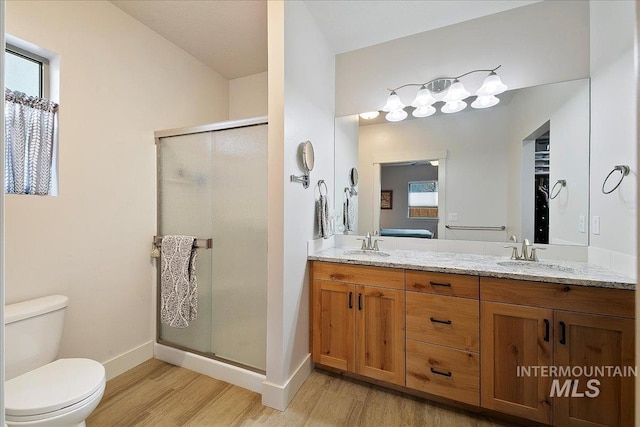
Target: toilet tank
{"points": [[33, 332]]}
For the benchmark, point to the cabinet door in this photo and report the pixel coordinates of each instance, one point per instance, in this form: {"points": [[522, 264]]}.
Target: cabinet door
{"points": [[514, 336], [595, 341], [333, 324], [380, 333]]}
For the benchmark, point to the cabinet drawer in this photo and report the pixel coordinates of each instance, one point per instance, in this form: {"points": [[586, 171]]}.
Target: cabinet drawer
{"points": [[584, 299], [442, 371], [449, 321], [455, 285], [361, 275]]}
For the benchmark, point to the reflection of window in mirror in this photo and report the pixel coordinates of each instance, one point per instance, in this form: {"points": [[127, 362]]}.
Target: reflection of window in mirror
{"points": [[423, 199]]}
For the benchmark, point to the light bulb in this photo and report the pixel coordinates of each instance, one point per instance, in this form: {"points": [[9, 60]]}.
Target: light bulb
{"points": [[393, 103], [369, 115], [485, 101], [425, 111], [453, 107], [434, 162], [492, 85], [396, 116], [456, 92], [423, 98]]}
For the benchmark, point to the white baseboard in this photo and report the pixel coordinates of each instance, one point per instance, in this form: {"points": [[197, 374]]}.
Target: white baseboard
{"points": [[279, 396], [127, 360], [210, 367]]}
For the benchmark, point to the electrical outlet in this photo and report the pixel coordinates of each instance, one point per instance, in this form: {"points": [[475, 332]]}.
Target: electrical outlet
{"points": [[581, 227], [596, 225], [453, 217]]}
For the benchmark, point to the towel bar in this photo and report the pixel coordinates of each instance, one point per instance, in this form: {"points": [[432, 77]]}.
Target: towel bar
{"points": [[200, 242], [476, 227]]}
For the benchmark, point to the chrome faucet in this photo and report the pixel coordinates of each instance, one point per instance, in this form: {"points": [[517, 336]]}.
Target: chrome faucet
{"points": [[368, 244], [525, 255], [525, 249]]}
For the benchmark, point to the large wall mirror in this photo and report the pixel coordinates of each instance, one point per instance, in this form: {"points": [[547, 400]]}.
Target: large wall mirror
{"points": [[521, 167]]}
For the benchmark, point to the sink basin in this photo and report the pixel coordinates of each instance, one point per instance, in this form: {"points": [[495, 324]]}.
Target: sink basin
{"points": [[536, 266], [366, 253]]}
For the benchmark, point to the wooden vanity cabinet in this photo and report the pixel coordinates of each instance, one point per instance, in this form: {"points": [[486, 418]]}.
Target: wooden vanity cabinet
{"points": [[470, 338], [537, 324], [358, 320], [443, 335]]}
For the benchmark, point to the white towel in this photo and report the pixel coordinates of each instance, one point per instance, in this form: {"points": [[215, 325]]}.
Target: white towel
{"points": [[178, 284], [322, 208]]}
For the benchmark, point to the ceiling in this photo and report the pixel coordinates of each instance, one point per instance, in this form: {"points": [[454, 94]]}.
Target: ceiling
{"points": [[350, 25], [230, 36]]}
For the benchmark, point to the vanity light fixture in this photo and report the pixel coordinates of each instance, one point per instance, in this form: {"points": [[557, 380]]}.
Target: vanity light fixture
{"points": [[369, 115], [447, 89]]}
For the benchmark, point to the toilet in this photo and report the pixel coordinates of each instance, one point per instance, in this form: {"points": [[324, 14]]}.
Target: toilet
{"points": [[40, 390]]}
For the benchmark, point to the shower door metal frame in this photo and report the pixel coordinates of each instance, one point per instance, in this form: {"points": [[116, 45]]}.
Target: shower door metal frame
{"points": [[213, 127]]}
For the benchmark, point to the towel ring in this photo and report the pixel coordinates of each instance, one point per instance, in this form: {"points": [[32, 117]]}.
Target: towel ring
{"points": [[326, 189], [624, 171], [563, 183]]}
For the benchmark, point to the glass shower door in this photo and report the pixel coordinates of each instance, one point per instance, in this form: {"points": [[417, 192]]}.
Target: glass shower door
{"points": [[214, 185], [185, 205]]}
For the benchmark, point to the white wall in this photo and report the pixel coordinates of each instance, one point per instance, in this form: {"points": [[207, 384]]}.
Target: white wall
{"points": [[346, 138], [248, 96], [545, 42], [119, 83], [301, 77], [613, 133]]}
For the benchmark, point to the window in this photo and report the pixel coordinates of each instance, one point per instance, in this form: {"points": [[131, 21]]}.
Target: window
{"points": [[423, 199], [30, 124], [26, 72]]}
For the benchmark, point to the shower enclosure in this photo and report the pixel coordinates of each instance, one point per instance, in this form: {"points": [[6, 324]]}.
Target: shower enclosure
{"points": [[212, 184]]}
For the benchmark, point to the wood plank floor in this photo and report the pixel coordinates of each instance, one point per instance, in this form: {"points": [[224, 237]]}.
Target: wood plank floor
{"points": [[156, 393]]}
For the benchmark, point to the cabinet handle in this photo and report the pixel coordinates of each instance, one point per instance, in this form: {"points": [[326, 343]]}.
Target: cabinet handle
{"points": [[448, 285], [350, 302], [563, 333], [444, 374], [446, 322], [359, 301], [546, 330]]}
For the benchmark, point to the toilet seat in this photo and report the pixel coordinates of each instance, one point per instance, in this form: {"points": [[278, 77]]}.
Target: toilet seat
{"points": [[54, 389]]}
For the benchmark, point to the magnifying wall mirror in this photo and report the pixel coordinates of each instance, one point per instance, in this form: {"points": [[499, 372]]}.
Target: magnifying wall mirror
{"points": [[307, 158], [353, 177]]}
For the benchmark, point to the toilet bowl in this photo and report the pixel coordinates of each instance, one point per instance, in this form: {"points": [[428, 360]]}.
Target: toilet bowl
{"points": [[41, 391], [62, 393]]}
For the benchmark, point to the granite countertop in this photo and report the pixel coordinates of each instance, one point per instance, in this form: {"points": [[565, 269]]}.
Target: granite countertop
{"points": [[564, 272]]}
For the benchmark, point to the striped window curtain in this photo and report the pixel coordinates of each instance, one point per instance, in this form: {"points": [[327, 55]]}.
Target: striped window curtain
{"points": [[29, 137]]}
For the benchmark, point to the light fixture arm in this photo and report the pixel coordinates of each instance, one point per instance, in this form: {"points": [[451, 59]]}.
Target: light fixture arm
{"points": [[444, 79]]}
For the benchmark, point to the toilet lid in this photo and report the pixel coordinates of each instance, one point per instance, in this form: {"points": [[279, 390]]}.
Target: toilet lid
{"points": [[52, 387]]}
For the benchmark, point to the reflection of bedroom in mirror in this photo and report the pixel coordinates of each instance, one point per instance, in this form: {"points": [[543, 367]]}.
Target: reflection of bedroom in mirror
{"points": [[414, 211]]}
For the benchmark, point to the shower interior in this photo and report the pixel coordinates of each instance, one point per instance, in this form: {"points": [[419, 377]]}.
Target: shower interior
{"points": [[212, 183]]}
